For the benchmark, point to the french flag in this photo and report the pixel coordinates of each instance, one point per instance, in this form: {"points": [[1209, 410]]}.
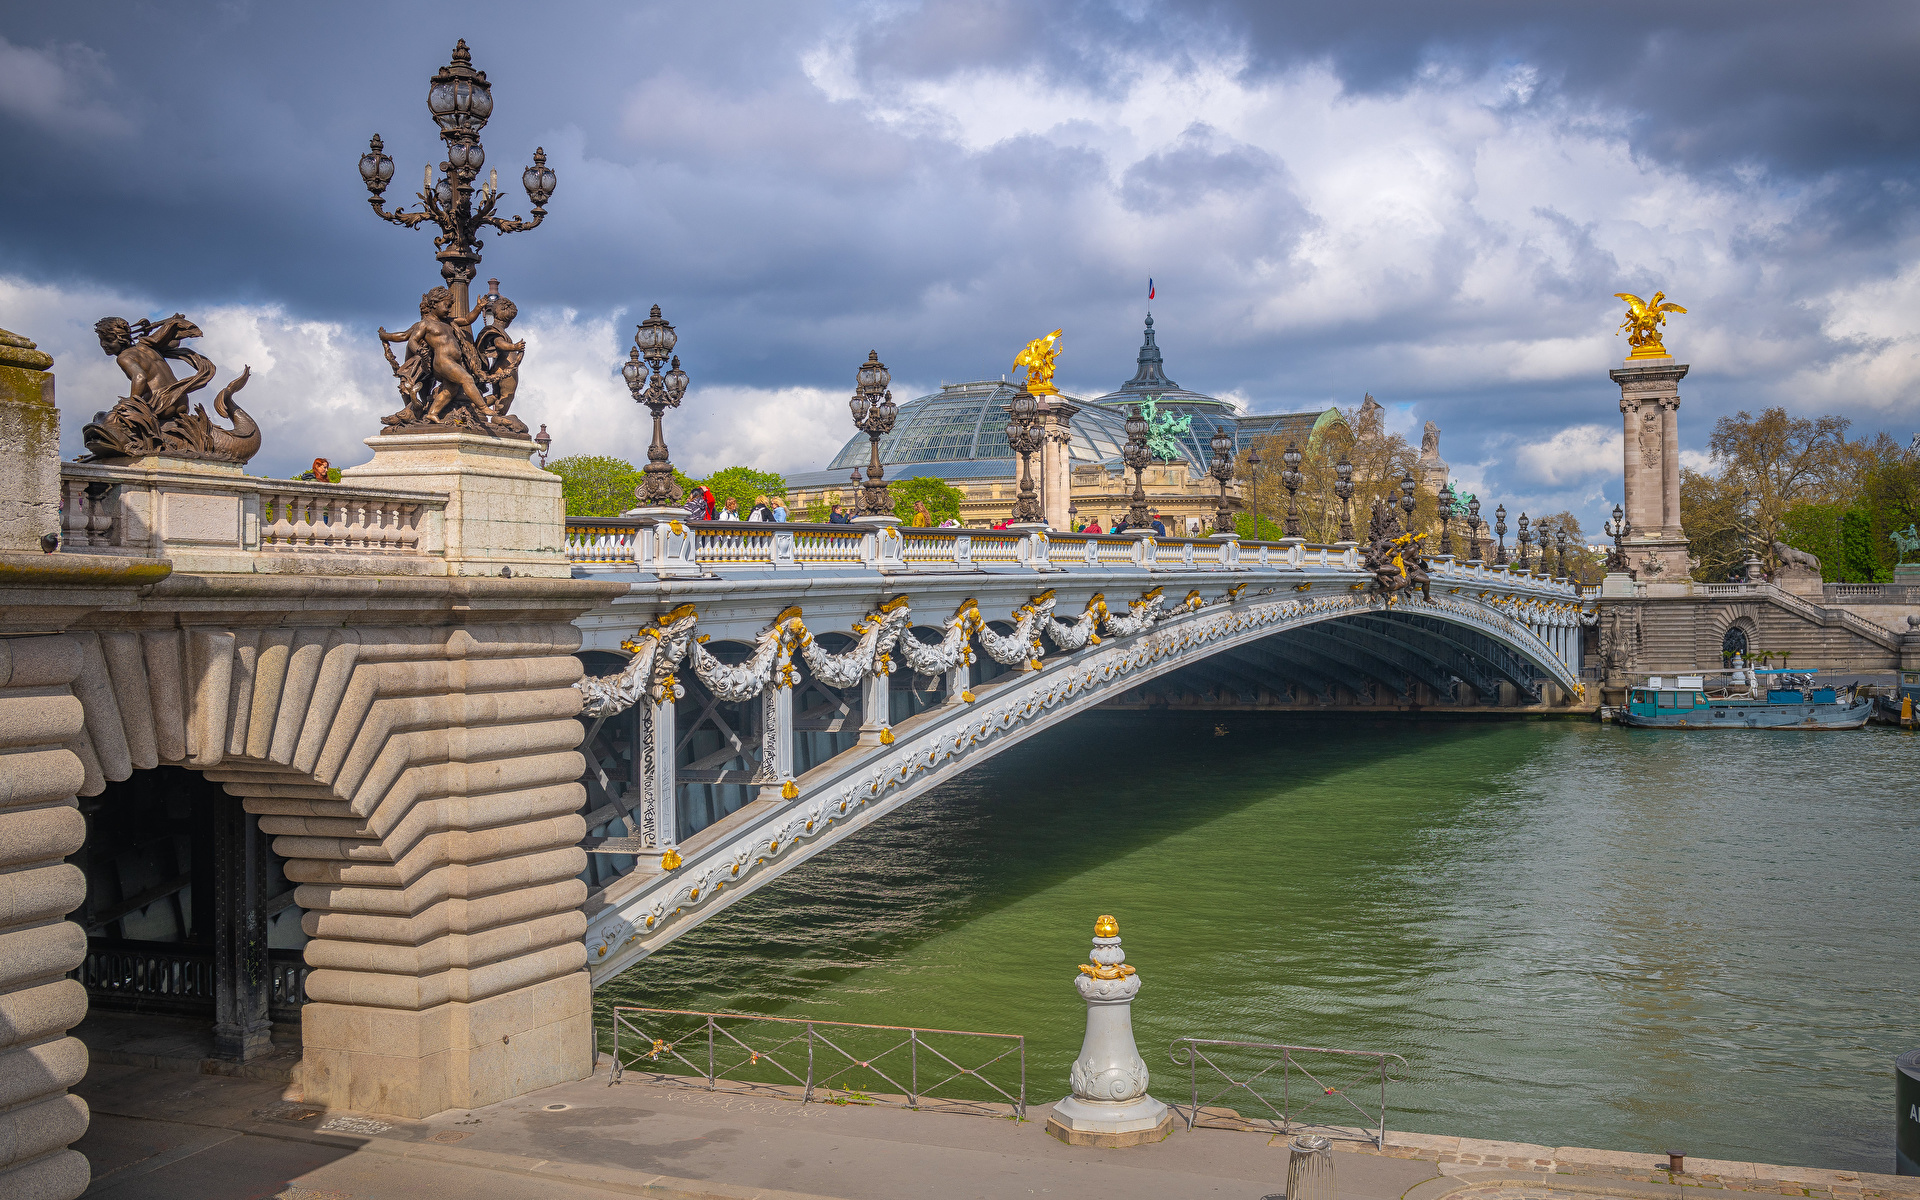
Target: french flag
{"points": [[1149, 289]]}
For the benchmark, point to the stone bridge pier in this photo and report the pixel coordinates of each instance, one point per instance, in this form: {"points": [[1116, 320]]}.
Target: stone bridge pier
{"points": [[383, 705]]}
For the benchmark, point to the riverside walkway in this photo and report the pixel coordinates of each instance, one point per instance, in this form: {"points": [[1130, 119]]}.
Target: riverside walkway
{"points": [[167, 1135]]}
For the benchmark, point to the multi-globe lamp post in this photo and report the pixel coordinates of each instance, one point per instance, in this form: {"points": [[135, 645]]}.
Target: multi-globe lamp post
{"points": [[1136, 454], [1500, 531], [1343, 488], [653, 340], [1475, 527], [1561, 540], [1525, 538], [1617, 529], [460, 101], [1025, 437], [1407, 503], [873, 412], [1221, 469], [1291, 479], [1446, 518]]}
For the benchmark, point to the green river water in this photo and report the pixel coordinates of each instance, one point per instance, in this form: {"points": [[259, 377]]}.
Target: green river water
{"points": [[1576, 934]]}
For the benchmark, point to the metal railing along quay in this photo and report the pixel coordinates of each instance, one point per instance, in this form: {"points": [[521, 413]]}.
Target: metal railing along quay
{"points": [[850, 1063], [1263, 1072]]}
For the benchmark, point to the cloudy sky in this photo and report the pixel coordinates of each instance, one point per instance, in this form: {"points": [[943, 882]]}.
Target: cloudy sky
{"points": [[1430, 202]]}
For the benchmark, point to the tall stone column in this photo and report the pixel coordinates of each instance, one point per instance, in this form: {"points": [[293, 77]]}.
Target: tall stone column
{"points": [[1056, 462], [1656, 547]]}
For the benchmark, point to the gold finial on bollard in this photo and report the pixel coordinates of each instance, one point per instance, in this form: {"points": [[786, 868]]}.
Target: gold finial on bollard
{"points": [[1106, 927]]}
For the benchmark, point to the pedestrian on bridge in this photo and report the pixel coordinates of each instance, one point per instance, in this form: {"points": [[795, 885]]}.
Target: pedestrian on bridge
{"points": [[699, 503], [922, 519], [732, 511], [762, 511], [780, 508], [839, 516]]}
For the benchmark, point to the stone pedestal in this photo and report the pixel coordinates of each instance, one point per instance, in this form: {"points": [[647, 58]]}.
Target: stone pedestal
{"points": [[1110, 1106], [1907, 574], [504, 515], [1649, 410], [29, 447]]}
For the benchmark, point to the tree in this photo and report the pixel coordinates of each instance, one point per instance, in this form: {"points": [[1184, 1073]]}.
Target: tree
{"points": [[1718, 537], [1380, 458], [596, 485], [743, 485], [941, 498], [1778, 462], [1582, 565], [821, 509]]}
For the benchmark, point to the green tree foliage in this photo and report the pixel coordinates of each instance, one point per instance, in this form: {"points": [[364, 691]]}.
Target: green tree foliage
{"points": [[1268, 531], [596, 485], [1711, 509], [743, 484], [942, 499], [821, 509]]}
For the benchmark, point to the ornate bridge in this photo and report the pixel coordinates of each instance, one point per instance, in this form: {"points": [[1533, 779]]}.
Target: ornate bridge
{"points": [[782, 686]]}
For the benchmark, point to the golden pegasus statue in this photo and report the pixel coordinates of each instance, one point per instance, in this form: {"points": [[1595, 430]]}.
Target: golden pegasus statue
{"points": [[1642, 326], [1038, 358]]}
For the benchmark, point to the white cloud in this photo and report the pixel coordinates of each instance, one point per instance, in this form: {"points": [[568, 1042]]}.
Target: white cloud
{"points": [[318, 388], [1571, 456]]}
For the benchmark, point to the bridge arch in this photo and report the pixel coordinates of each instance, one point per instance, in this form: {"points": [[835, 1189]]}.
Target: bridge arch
{"points": [[1324, 635]]}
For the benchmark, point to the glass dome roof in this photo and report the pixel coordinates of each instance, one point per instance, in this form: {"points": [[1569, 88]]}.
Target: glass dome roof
{"points": [[967, 422]]}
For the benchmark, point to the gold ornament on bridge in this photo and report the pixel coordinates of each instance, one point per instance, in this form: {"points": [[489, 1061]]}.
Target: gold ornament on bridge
{"points": [[1038, 358], [1643, 322]]}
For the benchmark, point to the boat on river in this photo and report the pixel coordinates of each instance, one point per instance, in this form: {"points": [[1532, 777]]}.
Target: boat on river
{"points": [[1749, 699], [1902, 705]]}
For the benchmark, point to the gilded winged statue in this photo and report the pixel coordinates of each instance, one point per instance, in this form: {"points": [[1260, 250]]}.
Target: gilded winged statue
{"points": [[1038, 358], [1643, 322]]}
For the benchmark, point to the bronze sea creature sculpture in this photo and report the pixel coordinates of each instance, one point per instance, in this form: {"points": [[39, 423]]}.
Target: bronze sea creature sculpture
{"points": [[156, 416]]}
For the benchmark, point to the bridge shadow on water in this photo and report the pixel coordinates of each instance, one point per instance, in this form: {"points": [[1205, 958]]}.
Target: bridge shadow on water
{"points": [[1063, 813]]}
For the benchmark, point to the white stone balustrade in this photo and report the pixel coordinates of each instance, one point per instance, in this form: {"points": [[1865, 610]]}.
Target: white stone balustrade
{"points": [[670, 548], [211, 518]]}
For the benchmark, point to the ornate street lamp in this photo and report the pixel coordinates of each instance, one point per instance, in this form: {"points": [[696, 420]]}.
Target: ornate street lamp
{"points": [[1407, 502], [460, 101], [1137, 455], [1343, 488], [1024, 437], [544, 441], [1474, 529], [653, 340], [1617, 529], [1500, 529], [1291, 479], [1526, 543], [1543, 533], [1253, 463], [873, 414], [1221, 469], [1446, 518], [1560, 541]]}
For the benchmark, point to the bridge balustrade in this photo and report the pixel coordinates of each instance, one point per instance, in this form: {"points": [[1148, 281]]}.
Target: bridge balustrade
{"points": [[220, 521]]}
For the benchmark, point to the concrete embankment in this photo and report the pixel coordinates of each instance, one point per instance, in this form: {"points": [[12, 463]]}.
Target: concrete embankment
{"points": [[166, 1134]]}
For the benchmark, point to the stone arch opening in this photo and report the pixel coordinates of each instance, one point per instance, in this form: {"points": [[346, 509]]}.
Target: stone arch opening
{"points": [[422, 784], [194, 937], [1737, 639]]}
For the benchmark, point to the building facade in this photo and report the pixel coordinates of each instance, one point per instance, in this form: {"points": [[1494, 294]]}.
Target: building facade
{"points": [[958, 435]]}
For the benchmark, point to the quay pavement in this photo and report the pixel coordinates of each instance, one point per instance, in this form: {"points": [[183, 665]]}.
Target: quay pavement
{"points": [[177, 1135]]}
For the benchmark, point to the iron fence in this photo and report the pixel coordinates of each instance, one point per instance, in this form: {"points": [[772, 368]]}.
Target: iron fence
{"points": [[1301, 1078], [835, 1062]]}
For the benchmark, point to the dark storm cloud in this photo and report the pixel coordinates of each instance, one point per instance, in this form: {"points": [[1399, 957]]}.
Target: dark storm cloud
{"points": [[800, 182]]}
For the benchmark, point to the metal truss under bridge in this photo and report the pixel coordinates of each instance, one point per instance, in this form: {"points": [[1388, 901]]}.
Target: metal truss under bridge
{"points": [[763, 691]]}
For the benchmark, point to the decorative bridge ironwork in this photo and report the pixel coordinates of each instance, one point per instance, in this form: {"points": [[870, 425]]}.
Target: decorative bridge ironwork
{"points": [[764, 690]]}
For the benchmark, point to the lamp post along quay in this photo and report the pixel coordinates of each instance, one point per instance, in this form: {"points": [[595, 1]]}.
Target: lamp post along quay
{"points": [[1109, 1106], [1222, 469]]}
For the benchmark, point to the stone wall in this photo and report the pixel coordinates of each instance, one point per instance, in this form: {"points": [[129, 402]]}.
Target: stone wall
{"points": [[1681, 633]]}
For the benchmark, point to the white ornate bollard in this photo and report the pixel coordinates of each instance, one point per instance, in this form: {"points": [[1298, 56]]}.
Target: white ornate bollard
{"points": [[1109, 1106]]}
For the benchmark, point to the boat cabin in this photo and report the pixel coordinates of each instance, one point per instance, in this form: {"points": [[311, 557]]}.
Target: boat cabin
{"points": [[1660, 697]]}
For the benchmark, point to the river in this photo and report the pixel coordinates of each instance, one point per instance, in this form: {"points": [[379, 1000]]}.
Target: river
{"points": [[1576, 934]]}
